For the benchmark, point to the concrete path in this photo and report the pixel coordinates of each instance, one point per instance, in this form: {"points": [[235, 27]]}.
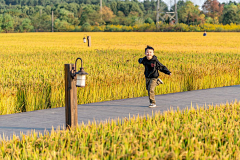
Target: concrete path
{"points": [[43, 120]]}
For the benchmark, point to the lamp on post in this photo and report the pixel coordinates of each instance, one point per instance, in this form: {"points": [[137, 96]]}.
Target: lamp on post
{"points": [[73, 80], [88, 39], [84, 39], [80, 76]]}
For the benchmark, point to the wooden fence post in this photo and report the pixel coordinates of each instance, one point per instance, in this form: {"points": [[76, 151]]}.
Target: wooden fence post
{"points": [[70, 98], [89, 41]]}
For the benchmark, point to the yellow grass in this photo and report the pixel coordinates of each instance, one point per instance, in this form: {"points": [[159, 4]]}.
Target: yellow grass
{"points": [[210, 132], [32, 64]]}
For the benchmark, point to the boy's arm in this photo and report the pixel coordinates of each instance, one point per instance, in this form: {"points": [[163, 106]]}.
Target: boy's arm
{"points": [[162, 68], [140, 60]]}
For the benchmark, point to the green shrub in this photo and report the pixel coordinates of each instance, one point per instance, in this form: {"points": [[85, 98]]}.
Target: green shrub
{"points": [[86, 27]]}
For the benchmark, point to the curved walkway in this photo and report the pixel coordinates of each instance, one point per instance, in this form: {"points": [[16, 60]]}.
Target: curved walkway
{"points": [[42, 120]]}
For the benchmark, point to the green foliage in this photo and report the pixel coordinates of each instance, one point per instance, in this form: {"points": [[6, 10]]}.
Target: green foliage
{"points": [[1, 21], [188, 12], [181, 27], [62, 26], [149, 20], [26, 25], [230, 17], [114, 7], [86, 27], [209, 20], [231, 14], [7, 23], [89, 14], [73, 14], [41, 22]]}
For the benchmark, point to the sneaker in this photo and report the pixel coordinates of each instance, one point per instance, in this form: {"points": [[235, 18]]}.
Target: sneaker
{"points": [[152, 105], [159, 81]]}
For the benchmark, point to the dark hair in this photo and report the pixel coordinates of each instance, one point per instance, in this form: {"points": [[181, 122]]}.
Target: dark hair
{"points": [[149, 47]]}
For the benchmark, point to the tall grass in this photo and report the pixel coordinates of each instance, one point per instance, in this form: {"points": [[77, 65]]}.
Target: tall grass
{"points": [[32, 65], [210, 132]]}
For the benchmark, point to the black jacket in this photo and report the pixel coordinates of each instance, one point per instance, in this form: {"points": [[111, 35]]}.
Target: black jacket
{"points": [[152, 67]]}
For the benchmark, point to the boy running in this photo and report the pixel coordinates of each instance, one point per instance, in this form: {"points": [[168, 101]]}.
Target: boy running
{"points": [[152, 66]]}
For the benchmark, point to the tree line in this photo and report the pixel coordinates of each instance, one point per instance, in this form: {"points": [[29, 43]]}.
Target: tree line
{"points": [[35, 15]]}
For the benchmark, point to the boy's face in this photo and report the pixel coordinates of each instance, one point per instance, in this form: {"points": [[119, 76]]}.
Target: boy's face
{"points": [[149, 54]]}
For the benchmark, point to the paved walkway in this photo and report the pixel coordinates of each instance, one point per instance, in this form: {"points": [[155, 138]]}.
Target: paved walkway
{"points": [[46, 119]]}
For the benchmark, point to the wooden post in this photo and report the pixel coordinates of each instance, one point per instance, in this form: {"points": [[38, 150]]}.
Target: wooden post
{"points": [[70, 98], [89, 41]]}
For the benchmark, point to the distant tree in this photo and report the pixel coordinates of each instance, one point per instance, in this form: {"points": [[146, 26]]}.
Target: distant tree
{"points": [[90, 14], [107, 14], [147, 6], [17, 22], [95, 18], [7, 23], [231, 14], [123, 7], [73, 7], [1, 20], [188, 13], [202, 19], [25, 9], [86, 27], [209, 20], [61, 26], [149, 20], [230, 17], [48, 10], [113, 7], [131, 19], [2, 2], [41, 23], [26, 25], [119, 19], [14, 12], [212, 8], [134, 8]]}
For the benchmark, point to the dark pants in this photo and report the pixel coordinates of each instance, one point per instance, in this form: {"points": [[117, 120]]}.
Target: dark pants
{"points": [[151, 84]]}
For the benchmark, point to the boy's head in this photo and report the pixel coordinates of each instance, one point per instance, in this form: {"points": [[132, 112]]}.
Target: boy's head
{"points": [[149, 52]]}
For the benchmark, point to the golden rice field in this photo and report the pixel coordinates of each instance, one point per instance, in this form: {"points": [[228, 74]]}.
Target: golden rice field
{"points": [[202, 133], [32, 65]]}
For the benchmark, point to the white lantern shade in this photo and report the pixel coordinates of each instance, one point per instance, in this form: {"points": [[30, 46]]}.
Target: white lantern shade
{"points": [[81, 78], [84, 40]]}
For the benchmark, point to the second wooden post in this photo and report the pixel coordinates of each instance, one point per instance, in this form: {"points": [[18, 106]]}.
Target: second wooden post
{"points": [[89, 41]]}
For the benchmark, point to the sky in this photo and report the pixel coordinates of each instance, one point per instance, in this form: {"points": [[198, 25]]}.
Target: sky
{"points": [[200, 2]]}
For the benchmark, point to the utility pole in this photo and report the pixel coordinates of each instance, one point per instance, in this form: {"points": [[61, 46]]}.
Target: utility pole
{"points": [[170, 5], [52, 21], [213, 13], [40, 12], [101, 8], [176, 14], [157, 17]]}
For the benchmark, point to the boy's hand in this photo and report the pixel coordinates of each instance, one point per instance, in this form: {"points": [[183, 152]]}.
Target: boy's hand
{"points": [[140, 60], [170, 74]]}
